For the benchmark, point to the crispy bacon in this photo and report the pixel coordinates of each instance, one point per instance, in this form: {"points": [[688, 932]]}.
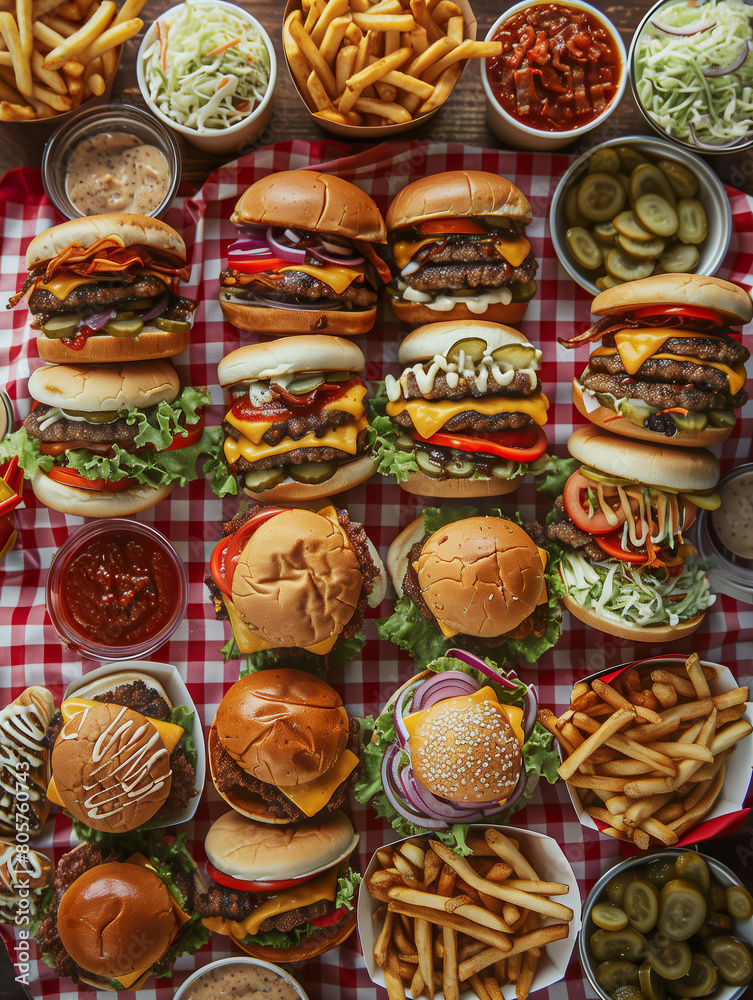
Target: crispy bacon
{"points": [[109, 256], [607, 326]]}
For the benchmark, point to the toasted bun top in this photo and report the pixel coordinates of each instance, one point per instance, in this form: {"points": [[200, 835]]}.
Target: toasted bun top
{"points": [[90, 757], [287, 355], [466, 751], [310, 200], [116, 918], [299, 582], [732, 301], [481, 576], [132, 229], [643, 461], [246, 849], [455, 194], [284, 727], [105, 387], [437, 338]]}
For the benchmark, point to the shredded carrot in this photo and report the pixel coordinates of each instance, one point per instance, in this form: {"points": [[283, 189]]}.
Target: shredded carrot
{"points": [[222, 48], [618, 416], [675, 409], [243, 106], [162, 31], [223, 81]]}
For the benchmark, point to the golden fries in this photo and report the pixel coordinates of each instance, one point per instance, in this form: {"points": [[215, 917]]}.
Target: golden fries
{"points": [[60, 53], [446, 927], [667, 765], [379, 63]]}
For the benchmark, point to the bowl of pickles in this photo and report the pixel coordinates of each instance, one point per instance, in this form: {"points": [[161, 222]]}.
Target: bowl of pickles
{"points": [[637, 206], [668, 925]]}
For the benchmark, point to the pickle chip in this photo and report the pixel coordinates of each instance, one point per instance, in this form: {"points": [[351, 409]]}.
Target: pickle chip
{"points": [[642, 249], [656, 214], [648, 179], [584, 248], [679, 259], [626, 224], [692, 221], [683, 182], [600, 197], [626, 268]]}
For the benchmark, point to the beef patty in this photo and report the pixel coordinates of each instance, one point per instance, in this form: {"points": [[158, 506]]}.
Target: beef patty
{"points": [[723, 348], [663, 395], [664, 370], [520, 386], [471, 421], [487, 274], [297, 426], [298, 285]]}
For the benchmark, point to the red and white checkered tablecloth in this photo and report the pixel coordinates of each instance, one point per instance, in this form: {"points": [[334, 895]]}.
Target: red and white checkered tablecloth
{"points": [[30, 652]]}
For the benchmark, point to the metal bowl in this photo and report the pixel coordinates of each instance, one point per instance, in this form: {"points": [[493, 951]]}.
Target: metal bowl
{"points": [[744, 143], [724, 876], [711, 193]]}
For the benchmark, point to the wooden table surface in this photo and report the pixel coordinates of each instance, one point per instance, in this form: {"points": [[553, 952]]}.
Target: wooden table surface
{"points": [[461, 119]]}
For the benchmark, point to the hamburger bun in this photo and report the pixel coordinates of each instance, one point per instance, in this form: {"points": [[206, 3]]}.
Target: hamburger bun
{"points": [[94, 752], [457, 194], [732, 301], [420, 312], [151, 343], [23, 724], [603, 417], [651, 464], [481, 576], [311, 947], [272, 359], [116, 918], [635, 633], [451, 489], [131, 229], [423, 343], [106, 387], [250, 318], [96, 503], [347, 475], [397, 554], [284, 727]]}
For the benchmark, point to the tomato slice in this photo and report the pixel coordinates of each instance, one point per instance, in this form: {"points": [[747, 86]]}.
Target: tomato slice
{"points": [[70, 477], [257, 265], [249, 885], [693, 312], [612, 545], [227, 551], [520, 446], [194, 433], [575, 499], [449, 226], [330, 918]]}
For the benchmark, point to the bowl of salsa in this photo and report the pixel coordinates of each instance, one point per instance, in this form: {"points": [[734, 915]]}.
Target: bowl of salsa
{"points": [[561, 73], [116, 590]]}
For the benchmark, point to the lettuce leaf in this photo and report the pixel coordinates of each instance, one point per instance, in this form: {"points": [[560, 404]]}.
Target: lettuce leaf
{"points": [[552, 473], [30, 457], [408, 630], [216, 472]]}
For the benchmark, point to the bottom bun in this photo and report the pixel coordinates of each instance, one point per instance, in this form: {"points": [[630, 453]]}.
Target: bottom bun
{"points": [[350, 474], [603, 417], [96, 503], [245, 803], [275, 322], [397, 554], [496, 312], [315, 944], [421, 485], [657, 633], [150, 345]]}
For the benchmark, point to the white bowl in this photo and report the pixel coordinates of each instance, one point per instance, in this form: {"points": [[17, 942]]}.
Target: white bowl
{"points": [[185, 987], [514, 133], [234, 137]]}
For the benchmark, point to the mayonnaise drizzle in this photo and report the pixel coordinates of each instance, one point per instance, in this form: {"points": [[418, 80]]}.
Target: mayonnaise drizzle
{"points": [[502, 372], [21, 734]]}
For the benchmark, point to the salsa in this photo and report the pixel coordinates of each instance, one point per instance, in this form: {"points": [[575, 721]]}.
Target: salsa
{"points": [[559, 68], [119, 590]]}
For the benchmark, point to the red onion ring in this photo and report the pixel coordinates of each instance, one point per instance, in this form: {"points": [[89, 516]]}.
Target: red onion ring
{"points": [[448, 684], [737, 62], [278, 244], [402, 732], [389, 763], [159, 307], [274, 304], [328, 258], [688, 30], [97, 320], [718, 145]]}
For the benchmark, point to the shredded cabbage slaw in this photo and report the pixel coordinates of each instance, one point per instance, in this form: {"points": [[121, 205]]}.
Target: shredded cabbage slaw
{"points": [[672, 71], [207, 68]]}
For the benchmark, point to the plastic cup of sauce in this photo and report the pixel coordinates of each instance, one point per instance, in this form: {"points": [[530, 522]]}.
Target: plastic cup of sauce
{"points": [[116, 590], [724, 537], [240, 979]]}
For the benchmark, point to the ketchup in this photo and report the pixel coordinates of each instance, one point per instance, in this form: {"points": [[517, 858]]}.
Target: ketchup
{"points": [[119, 590]]}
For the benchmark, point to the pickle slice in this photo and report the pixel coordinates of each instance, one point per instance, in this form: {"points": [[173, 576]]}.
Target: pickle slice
{"points": [[312, 473], [605, 161], [693, 225], [683, 182], [722, 418], [627, 224], [605, 233], [265, 479], [700, 979], [606, 281], [600, 197], [641, 905], [739, 903], [503, 470], [171, 325], [584, 248], [460, 468], [660, 871], [57, 327], [404, 442], [733, 958], [682, 909], [626, 268], [690, 865], [426, 467], [648, 179], [124, 327], [693, 421], [630, 158], [679, 258], [641, 249], [144, 304], [625, 944], [669, 959], [93, 416], [603, 477], [517, 355], [609, 917], [523, 291], [656, 214], [338, 376], [652, 986], [303, 386], [573, 215], [472, 347], [611, 974]]}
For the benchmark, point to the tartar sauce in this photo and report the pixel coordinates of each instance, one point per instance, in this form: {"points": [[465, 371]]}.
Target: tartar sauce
{"points": [[116, 172], [242, 982], [733, 520]]}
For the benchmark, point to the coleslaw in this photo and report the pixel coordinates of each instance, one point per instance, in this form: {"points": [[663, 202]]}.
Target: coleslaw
{"points": [[694, 71], [207, 68]]}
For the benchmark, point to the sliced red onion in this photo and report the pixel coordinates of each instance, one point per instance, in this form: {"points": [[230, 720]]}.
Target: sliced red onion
{"points": [[97, 320], [277, 242], [449, 684], [717, 145], [530, 708], [483, 667], [736, 63], [520, 787], [159, 307], [688, 29], [438, 808], [341, 247], [274, 304], [402, 732], [389, 767], [329, 258], [247, 249]]}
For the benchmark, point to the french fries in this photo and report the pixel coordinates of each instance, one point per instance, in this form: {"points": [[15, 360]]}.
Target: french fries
{"points": [[447, 925], [649, 774], [363, 62], [56, 54]]}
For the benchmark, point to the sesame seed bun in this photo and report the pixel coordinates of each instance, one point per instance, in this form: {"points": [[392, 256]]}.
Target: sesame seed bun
{"points": [[457, 193], [272, 359], [105, 387], [732, 301]]}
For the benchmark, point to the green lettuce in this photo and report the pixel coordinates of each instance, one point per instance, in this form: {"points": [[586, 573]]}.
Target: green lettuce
{"points": [[552, 473]]}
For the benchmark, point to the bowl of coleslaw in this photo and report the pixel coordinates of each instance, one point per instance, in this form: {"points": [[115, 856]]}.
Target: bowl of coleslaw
{"points": [[691, 73], [207, 69]]}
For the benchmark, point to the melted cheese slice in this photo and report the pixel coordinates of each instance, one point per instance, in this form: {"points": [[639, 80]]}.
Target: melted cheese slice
{"points": [[637, 346], [254, 430], [344, 438], [513, 251], [430, 416], [313, 796], [323, 886], [64, 284], [512, 713], [338, 278]]}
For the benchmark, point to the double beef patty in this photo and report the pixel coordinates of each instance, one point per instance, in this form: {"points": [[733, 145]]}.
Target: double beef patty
{"points": [[663, 395]]}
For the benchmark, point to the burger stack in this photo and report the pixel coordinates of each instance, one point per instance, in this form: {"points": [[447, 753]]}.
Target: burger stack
{"points": [[665, 382]]}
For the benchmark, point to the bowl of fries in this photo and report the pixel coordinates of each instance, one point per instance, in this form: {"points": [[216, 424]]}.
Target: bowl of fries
{"points": [[657, 752], [368, 74], [61, 56], [499, 922]]}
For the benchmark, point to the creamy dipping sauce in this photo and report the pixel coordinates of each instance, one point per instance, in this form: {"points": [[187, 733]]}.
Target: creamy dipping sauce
{"points": [[242, 982], [116, 172], [733, 521]]}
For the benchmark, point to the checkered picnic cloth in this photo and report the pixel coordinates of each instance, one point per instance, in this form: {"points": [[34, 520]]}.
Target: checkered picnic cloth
{"points": [[30, 652]]}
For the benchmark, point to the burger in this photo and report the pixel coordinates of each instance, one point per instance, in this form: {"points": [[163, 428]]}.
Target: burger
{"points": [[617, 536], [466, 414], [25, 877], [119, 915], [121, 755], [304, 261], [109, 440], [282, 748], [297, 425], [459, 248], [458, 743], [479, 581], [281, 893], [669, 369], [24, 754], [294, 582], [104, 288]]}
